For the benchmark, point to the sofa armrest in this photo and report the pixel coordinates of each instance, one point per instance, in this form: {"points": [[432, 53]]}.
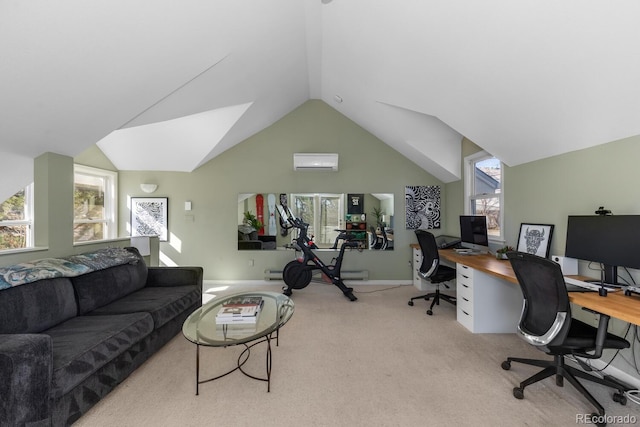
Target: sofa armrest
{"points": [[175, 276], [26, 369]]}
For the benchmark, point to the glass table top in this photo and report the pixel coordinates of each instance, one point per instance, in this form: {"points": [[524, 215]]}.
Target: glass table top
{"points": [[201, 327]]}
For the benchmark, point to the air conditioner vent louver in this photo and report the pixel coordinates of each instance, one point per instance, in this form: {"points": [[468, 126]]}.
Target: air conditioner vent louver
{"points": [[315, 161]]}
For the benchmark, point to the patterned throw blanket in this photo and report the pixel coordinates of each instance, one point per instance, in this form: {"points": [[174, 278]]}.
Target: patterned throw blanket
{"points": [[71, 266]]}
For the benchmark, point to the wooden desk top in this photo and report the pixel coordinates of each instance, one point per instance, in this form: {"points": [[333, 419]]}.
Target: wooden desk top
{"points": [[615, 304], [484, 262]]}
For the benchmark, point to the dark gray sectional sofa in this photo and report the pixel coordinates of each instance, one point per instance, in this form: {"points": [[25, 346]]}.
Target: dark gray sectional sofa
{"points": [[66, 342]]}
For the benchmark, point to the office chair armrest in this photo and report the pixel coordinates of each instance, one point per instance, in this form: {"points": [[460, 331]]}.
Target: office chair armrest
{"points": [[601, 335]]}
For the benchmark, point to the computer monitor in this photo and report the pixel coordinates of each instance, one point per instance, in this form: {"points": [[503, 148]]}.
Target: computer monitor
{"points": [[611, 240], [473, 232]]}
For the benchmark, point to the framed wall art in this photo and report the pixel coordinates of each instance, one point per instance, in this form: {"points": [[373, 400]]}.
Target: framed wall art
{"points": [[149, 217], [422, 203], [535, 239]]}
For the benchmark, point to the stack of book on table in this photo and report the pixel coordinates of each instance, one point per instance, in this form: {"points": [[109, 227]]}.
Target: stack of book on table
{"points": [[240, 310]]}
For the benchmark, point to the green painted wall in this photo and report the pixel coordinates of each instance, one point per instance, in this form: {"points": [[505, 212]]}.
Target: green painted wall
{"points": [[547, 191], [454, 204], [207, 235], [94, 157]]}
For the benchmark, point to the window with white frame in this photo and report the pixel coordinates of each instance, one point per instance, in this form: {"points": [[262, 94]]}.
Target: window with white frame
{"points": [[16, 220], [484, 181], [94, 204], [323, 213]]}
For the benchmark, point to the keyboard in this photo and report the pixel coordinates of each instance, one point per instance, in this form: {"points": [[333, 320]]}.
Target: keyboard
{"points": [[586, 285], [463, 251]]}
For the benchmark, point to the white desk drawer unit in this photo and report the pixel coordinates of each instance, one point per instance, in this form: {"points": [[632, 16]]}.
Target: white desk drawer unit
{"points": [[486, 303], [420, 284], [464, 292]]}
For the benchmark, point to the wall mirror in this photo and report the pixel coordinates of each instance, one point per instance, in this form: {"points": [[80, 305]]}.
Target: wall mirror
{"points": [[368, 216]]}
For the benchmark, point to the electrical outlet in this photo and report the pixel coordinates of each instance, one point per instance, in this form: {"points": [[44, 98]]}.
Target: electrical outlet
{"points": [[251, 263]]}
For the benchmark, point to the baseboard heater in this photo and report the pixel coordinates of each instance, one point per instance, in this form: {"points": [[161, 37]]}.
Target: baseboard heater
{"points": [[346, 275]]}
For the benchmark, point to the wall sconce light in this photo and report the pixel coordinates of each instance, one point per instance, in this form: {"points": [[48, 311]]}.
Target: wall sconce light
{"points": [[148, 188]]}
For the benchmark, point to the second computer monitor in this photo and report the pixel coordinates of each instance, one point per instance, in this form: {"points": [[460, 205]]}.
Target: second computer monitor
{"points": [[611, 240], [473, 232]]}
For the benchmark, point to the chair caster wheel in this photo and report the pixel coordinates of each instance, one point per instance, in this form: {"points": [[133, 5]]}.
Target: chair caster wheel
{"points": [[620, 398], [429, 312], [410, 303], [518, 393], [506, 365]]}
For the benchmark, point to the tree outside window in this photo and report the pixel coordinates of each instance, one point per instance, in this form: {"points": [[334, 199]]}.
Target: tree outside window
{"points": [[16, 221], [485, 183], [93, 204]]}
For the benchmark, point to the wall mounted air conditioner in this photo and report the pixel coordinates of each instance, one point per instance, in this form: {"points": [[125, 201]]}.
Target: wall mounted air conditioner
{"points": [[315, 161]]}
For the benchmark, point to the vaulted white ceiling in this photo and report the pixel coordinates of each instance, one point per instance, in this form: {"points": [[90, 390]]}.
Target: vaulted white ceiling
{"points": [[181, 82]]}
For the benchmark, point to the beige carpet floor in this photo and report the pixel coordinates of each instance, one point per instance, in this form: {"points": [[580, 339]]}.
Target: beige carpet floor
{"points": [[373, 362]]}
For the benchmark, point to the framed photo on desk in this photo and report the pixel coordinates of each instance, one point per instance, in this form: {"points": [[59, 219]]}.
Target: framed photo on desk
{"points": [[535, 239]]}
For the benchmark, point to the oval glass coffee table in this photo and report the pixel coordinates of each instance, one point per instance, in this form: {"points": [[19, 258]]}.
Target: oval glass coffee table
{"points": [[201, 329]]}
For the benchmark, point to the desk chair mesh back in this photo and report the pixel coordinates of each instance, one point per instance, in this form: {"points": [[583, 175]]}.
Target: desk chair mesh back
{"points": [[431, 270], [546, 323]]}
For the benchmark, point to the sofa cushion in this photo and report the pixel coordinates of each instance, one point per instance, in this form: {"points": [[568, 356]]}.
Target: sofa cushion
{"points": [[37, 306], [84, 344], [163, 303], [101, 287], [25, 370]]}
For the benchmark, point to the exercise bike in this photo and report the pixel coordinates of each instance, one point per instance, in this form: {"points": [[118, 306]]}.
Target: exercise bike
{"points": [[297, 274]]}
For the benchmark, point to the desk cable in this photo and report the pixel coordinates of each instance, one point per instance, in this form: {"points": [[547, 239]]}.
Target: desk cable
{"points": [[379, 290], [634, 395], [631, 394]]}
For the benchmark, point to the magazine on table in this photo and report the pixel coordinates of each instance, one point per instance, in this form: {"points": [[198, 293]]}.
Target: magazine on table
{"points": [[240, 310], [238, 319], [243, 301]]}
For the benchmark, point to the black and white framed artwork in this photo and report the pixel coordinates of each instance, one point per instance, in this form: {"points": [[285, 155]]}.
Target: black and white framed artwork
{"points": [[422, 206], [149, 217], [535, 239]]}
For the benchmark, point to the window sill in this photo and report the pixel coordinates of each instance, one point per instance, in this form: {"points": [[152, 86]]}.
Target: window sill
{"points": [[23, 250], [97, 242]]}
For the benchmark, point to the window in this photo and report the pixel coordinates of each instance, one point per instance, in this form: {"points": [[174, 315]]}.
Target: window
{"points": [[94, 204], [16, 220], [323, 213], [483, 188]]}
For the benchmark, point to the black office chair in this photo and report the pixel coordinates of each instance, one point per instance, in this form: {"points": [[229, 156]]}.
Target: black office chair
{"points": [[375, 241], [388, 237], [546, 323], [431, 270]]}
